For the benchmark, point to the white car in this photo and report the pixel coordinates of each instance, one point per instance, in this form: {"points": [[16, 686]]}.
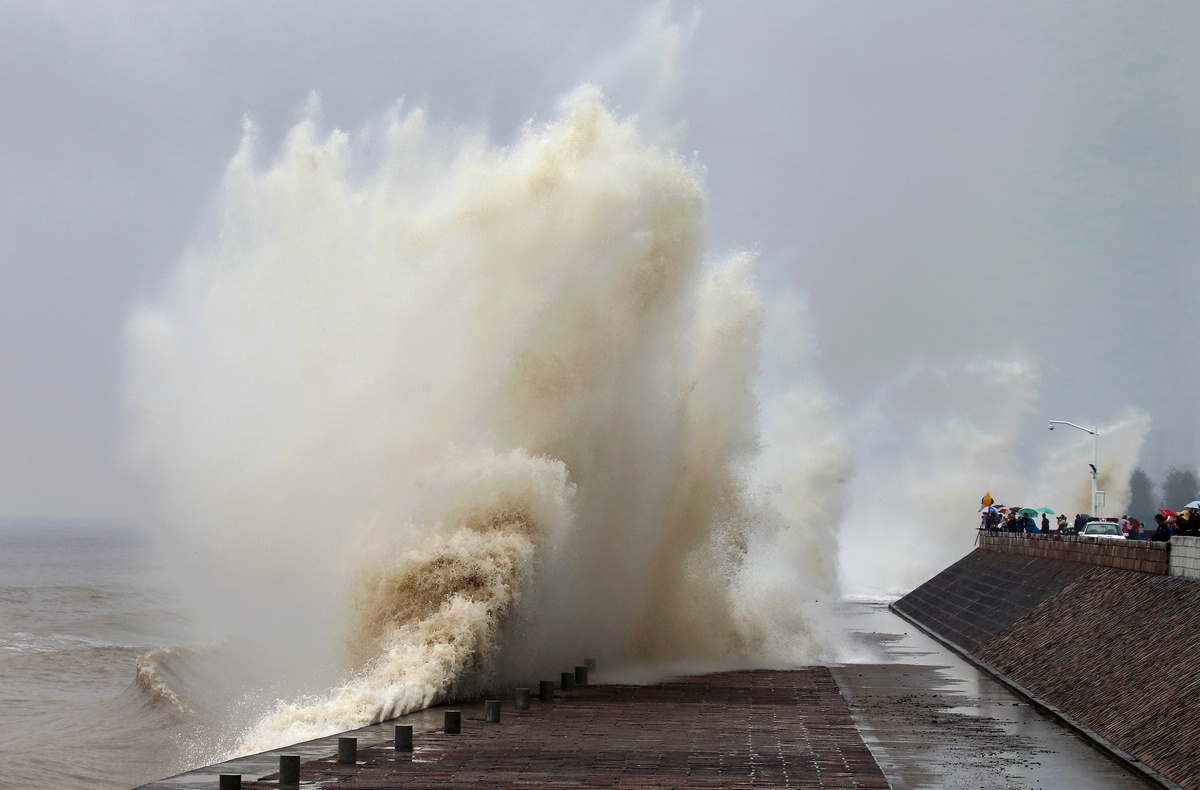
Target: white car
{"points": [[1103, 529]]}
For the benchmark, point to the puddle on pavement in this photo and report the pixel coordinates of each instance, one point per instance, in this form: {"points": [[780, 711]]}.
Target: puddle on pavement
{"points": [[933, 721]]}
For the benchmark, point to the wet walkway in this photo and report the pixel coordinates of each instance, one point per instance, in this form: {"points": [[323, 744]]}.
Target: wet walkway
{"points": [[908, 710], [755, 728], [934, 721]]}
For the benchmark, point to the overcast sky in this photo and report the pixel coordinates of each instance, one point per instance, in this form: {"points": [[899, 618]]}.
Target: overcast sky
{"points": [[937, 181]]}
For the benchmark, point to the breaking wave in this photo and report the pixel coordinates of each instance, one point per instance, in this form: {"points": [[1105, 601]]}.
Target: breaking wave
{"points": [[426, 628], [426, 411], [152, 678]]}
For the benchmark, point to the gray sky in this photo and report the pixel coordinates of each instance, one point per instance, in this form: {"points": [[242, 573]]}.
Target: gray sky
{"points": [[937, 181]]}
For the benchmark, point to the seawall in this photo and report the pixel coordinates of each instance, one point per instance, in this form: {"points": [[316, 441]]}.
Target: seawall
{"points": [[747, 728], [1129, 555], [1099, 632]]}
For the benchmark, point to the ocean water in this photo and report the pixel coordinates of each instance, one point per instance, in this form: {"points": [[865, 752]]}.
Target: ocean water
{"points": [[83, 608]]}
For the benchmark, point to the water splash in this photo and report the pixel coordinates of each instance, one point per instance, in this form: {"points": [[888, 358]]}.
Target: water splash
{"points": [[929, 445], [420, 394]]}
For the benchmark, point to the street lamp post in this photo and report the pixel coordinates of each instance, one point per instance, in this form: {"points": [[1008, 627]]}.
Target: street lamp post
{"points": [[1095, 434]]}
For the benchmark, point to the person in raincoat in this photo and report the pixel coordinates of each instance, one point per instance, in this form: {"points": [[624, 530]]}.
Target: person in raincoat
{"points": [[1163, 533]]}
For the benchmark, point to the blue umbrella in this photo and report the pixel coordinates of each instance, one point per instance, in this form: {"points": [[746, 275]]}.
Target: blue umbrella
{"points": [[988, 509]]}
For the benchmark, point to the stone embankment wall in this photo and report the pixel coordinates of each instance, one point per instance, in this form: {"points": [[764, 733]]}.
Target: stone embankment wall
{"points": [[984, 593], [1185, 557], [1117, 650], [1130, 555]]}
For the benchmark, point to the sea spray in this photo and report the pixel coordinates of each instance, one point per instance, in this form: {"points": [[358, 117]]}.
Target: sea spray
{"points": [[422, 406], [931, 442], [805, 464], [1063, 480], [424, 628], [804, 470]]}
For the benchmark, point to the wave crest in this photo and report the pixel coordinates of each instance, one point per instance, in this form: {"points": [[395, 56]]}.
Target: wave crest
{"points": [[427, 629], [152, 679]]}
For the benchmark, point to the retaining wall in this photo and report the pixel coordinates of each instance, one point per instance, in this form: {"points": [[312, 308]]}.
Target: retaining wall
{"points": [[1185, 557], [1131, 555], [1114, 649], [985, 592]]}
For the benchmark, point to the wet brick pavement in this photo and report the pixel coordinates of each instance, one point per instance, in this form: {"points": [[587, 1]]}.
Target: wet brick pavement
{"points": [[759, 728]]}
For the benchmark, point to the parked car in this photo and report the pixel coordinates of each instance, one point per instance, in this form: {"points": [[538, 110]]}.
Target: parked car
{"points": [[1103, 529]]}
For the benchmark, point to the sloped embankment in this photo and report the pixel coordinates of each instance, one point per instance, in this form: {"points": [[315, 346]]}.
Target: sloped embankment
{"points": [[1117, 650]]}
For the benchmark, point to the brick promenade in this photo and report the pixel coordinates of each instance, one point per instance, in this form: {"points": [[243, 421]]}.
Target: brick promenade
{"points": [[756, 728]]}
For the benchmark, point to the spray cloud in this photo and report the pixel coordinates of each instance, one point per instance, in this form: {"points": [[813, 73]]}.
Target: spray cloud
{"points": [[459, 395], [930, 443]]}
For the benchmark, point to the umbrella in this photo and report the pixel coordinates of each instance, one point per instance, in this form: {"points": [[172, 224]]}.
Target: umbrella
{"points": [[1191, 505], [988, 509], [1046, 510], [1166, 512], [1027, 511]]}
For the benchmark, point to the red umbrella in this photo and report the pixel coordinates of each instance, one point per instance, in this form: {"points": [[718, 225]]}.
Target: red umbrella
{"points": [[1166, 512]]}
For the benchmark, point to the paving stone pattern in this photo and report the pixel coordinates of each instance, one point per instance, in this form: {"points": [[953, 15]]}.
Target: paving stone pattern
{"points": [[757, 728], [985, 592]]}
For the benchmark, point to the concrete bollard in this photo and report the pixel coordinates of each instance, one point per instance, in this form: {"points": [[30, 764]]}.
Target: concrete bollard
{"points": [[231, 782], [491, 711], [404, 738], [289, 770], [521, 699], [546, 691], [347, 750], [568, 681], [590, 663], [581, 674], [452, 723]]}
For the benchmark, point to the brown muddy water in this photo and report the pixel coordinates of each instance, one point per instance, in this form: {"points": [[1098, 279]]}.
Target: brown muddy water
{"points": [[88, 634], [933, 721]]}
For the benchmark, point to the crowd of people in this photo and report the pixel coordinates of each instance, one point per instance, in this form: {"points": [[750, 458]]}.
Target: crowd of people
{"points": [[1006, 519], [999, 518], [1185, 522]]}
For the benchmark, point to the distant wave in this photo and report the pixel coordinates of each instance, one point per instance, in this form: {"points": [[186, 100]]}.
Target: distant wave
{"points": [[23, 642]]}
